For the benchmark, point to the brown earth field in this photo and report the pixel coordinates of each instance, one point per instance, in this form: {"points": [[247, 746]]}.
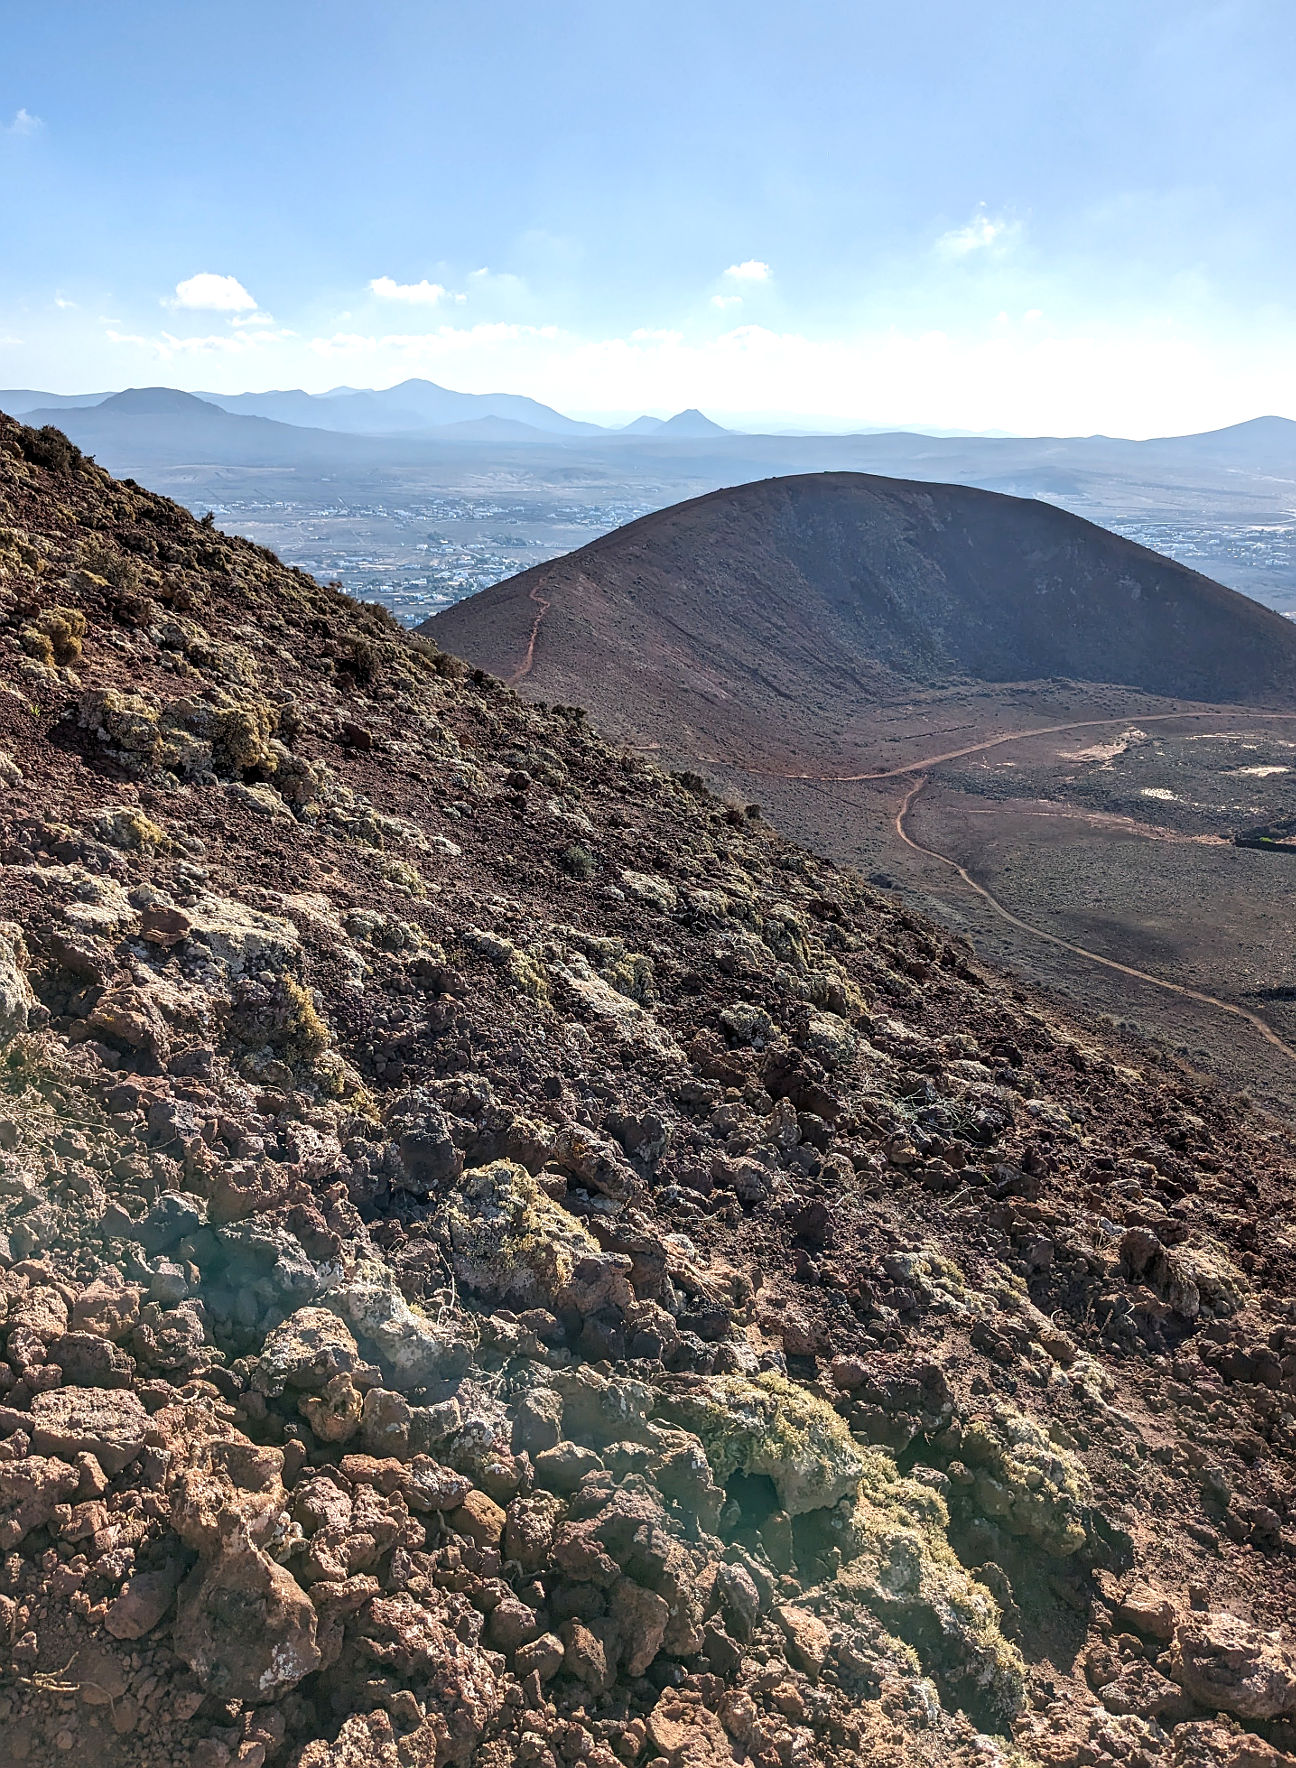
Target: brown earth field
{"points": [[794, 677], [507, 1259], [1091, 853]]}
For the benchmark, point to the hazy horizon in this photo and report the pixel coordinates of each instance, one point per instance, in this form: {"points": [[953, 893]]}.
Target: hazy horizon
{"points": [[750, 422]]}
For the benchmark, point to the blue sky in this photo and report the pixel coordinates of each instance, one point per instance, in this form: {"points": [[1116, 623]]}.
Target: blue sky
{"points": [[1033, 217]]}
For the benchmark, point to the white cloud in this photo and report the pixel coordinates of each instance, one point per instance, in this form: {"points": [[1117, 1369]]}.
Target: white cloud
{"points": [[257, 318], [418, 294], [981, 233], [502, 284], [209, 293], [24, 123], [167, 347], [63, 302], [750, 270], [726, 300]]}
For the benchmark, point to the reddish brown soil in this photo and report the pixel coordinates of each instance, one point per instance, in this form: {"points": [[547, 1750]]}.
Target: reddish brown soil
{"points": [[317, 945]]}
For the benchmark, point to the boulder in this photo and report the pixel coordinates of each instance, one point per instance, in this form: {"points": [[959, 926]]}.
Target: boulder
{"points": [[1025, 1482], [564, 1466], [243, 940], [232, 1490], [688, 1735], [593, 1161], [512, 1243], [543, 1655], [1149, 1611], [245, 1627], [422, 1132], [335, 1413], [110, 1424], [1228, 1666], [480, 1518], [89, 1360], [143, 1602], [537, 1423], [766, 1424], [807, 1638], [899, 1566], [128, 1019], [308, 1351], [413, 1349], [641, 1618], [30, 1488], [106, 1307]]}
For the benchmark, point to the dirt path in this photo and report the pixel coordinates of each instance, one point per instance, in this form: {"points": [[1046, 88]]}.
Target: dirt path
{"points": [[1206, 1000], [528, 661], [1043, 730]]}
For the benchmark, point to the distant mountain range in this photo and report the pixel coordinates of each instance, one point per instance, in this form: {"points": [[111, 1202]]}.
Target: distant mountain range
{"points": [[414, 408], [690, 423], [419, 411], [1222, 499], [414, 405]]}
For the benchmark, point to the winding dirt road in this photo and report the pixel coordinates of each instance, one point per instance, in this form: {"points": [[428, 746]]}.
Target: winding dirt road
{"points": [[1193, 994], [928, 761]]}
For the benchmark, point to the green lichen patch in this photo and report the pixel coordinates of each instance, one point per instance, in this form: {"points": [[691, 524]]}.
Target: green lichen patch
{"points": [[901, 1567], [125, 826], [55, 636], [630, 973], [124, 722], [524, 969], [510, 1240], [766, 1424], [1026, 1482]]}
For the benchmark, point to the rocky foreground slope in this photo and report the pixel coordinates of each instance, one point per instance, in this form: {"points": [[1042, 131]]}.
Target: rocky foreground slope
{"points": [[505, 1260]]}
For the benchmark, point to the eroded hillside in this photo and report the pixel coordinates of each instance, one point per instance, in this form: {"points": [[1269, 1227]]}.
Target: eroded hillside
{"points": [[503, 1259]]}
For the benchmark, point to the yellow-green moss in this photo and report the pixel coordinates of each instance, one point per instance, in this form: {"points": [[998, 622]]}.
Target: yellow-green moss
{"points": [[38, 645], [901, 1567], [305, 1036], [828, 986], [62, 630], [1024, 1481], [510, 1240], [127, 721], [766, 1424], [630, 973], [240, 737], [126, 826], [524, 969], [787, 935], [403, 876]]}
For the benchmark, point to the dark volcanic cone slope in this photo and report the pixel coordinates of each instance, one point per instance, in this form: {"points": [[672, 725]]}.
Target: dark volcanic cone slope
{"points": [[505, 1260], [779, 603]]}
